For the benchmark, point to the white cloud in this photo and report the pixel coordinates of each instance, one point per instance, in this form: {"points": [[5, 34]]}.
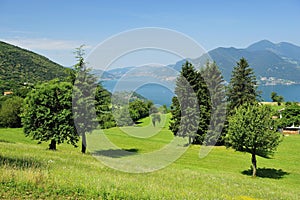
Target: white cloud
{"points": [[43, 43]]}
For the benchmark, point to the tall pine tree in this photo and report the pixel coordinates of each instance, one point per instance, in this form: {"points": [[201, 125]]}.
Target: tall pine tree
{"points": [[204, 100], [242, 87], [191, 108], [83, 101], [216, 85]]}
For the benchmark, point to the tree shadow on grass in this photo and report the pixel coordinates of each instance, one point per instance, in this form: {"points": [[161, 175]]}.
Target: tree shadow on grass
{"points": [[267, 173], [116, 153], [19, 163], [6, 141]]}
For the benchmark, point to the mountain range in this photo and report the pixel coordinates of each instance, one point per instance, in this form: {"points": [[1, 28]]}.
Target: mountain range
{"points": [[273, 64], [276, 66]]}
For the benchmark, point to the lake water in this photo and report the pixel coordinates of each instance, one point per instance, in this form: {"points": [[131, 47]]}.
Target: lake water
{"points": [[162, 95], [157, 93], [289, 92]]}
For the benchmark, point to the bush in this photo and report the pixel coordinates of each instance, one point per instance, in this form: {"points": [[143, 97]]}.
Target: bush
{"points": [[9, 112]]}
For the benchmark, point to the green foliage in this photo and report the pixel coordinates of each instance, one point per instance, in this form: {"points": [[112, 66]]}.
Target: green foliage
{"points": [[216, 85], [242, 87], [20, 68], [122, 116], [10, 110], [129, 107], [105, 117], [251, 129], [186, 85], [163, 109], [290, 116], [139, 109], [47, 114], [127, 115], [191, 108], [276, 98], [83, 101], [176, 115]]}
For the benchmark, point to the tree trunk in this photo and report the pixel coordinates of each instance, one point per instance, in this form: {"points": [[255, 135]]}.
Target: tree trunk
{"points": [[52, 145], [83, 144], [253, 165]]}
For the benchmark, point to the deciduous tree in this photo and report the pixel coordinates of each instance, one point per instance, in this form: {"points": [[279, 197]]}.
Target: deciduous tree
{"points": [[10, 110], [276, 98], [251, 129], [290, 116], [47, 114]]}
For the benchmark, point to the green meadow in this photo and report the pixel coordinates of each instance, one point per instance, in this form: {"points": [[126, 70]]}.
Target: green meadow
{"points": [[28, 170]]}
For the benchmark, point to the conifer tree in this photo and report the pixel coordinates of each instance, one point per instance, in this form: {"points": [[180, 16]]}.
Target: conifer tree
{"points": [[242, 87], [83, 101], [191, 108], [216, 86], [105, 117], [176, 115], [204, 101]]}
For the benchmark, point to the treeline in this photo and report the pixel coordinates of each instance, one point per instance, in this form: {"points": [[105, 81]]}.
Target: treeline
{"points": [[209, 112], [63, 110], [200, 94]]}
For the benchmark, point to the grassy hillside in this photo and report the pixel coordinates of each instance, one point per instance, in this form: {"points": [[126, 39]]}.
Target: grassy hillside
{"points": [[19, 66], [28, 170]]}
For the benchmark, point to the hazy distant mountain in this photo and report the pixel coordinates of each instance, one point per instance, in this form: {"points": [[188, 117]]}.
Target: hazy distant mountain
{"points": [[282, 49], [103, 74], [278, 63], [272, 63], [277, 68], [119, 72]]}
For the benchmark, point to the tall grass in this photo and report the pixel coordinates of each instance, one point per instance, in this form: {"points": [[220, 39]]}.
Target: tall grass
{"points": [[29, 171]]}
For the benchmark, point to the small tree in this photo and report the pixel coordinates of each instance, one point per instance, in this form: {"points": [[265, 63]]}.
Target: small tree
{"points": [[155, 117], [122, 116], [276, 98], [47, 114], [139, 109], [10, 110], [251, 129], [290, 116]]}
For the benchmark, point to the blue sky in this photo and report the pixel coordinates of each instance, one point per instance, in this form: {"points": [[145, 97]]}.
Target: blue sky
{"points": [[55, 27]]}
